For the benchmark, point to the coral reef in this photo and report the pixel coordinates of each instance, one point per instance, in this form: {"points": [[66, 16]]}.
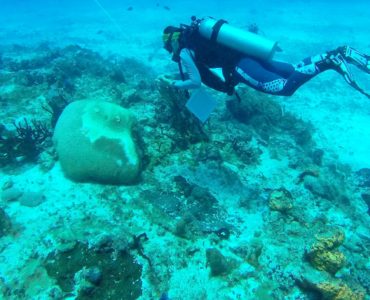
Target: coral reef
{"points": [[366, 198], [197, 215], [25, 142], [246, 152], [95, 273], [333, 290], [56, 103], [321, 188], [5, 223], [338, 292], [323, 254], [218, 263], [281, 200], [363, 177], [253, 252], [268, 118], [362, 277], [171, 110], [329, 261]]}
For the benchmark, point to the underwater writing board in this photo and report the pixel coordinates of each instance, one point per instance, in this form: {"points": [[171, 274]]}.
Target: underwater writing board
{"points": [[201, 104]]}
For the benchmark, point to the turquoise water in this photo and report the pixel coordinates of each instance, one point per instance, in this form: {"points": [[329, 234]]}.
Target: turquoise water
{"points": [[112, 189]]}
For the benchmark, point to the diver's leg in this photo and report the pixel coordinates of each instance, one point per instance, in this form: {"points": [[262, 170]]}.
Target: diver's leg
{"points": [[309, 67], [336, 60], [251, 72], [284, 79], [281, 68], [258, 75]]}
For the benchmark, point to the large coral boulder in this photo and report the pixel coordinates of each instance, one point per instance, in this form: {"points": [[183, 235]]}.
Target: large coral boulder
{"points": [[94, 143], [324, 255]]}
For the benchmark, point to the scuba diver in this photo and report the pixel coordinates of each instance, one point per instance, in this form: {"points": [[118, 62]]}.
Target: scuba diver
{"points": [[245, 57]]}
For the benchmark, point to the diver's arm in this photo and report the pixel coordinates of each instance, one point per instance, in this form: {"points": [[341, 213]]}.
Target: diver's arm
{"points": [[193, 79]]}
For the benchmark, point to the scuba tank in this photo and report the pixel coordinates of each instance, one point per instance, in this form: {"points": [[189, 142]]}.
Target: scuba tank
{"points": [[243, 41]]}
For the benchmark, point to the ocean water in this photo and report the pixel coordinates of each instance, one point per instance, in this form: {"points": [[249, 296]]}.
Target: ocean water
{"points": [[112, 189]]}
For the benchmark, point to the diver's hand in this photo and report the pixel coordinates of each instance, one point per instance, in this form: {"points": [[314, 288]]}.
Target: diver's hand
{"points": [[165, 79]]}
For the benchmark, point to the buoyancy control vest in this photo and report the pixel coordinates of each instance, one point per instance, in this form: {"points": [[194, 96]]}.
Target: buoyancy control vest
{"points": [[214, 47]]}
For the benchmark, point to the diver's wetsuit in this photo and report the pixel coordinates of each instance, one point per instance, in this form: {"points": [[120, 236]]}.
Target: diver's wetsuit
{"points": [[278, 78], [198, 56], [272, 77]]}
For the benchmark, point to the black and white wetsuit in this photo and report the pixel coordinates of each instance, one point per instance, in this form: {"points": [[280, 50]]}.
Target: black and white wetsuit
{"points": [[272, 77], [278, 78]]}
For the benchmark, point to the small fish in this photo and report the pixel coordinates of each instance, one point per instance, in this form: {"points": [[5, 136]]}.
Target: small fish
{"points": [[130, 8], [166, 8]]}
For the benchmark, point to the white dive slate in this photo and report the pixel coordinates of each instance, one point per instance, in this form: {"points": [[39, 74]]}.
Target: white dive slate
{"points": [[201, 104]]}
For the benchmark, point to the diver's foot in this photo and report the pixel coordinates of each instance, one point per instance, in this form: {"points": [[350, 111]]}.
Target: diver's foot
{"points": [[355, 57]]}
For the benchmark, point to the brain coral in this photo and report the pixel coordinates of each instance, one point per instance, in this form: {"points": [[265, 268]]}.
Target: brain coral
{"points": [[94, 143]]}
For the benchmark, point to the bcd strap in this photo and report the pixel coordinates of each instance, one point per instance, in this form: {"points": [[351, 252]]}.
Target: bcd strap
{"points": [[187, 94], [216, 29], [181, 70]]}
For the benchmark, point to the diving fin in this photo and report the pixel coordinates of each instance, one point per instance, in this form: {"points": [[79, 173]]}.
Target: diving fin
{"points": [[341, 57], [357, 58]]}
